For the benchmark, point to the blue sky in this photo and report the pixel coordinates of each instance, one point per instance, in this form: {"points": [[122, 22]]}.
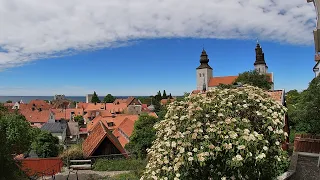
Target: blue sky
{"points": [[147, 66], [138, 47]]}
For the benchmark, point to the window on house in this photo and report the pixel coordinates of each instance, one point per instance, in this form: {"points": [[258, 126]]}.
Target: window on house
{"points": [[110, 124]]}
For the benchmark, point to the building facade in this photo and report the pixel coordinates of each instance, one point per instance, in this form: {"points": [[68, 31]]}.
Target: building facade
{"points": [[206, 80]]}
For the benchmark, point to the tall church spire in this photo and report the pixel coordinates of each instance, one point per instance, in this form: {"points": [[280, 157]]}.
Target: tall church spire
{"points": [[204, 60], [259, 55], [260, 64], [204, 72]]}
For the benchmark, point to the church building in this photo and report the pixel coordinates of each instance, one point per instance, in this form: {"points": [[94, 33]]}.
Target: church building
{"points": [[206, 80]]}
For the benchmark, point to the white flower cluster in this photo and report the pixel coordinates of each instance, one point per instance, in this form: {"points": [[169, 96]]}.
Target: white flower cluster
{"points": [[218, 134]]}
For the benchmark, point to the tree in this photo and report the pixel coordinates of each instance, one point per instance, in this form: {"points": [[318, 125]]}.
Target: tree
{"points": [[80, 120], [158, 97], [15, 138], [142, 136], [9, 101], [46, 145], [170, 97], [109, 99], [221, 135], [164, 95], [305, 111], [95, 98], [292, 97], [255, 79]]}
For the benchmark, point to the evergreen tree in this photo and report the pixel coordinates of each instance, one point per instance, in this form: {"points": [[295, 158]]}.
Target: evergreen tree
{"points": [[170, 96], [109, 99], [164, 95], [158, 97], [95, 98]]}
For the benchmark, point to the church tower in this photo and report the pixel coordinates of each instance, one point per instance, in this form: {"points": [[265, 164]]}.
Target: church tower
{"points": [[260, 64], [204, 72]]}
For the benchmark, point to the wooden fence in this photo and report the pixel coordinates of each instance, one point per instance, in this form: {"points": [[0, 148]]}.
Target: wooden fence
{"points": [[41, 166], [307, 143]]}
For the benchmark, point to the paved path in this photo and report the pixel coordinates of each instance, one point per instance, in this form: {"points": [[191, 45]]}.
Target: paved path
{"points": [[84, 175]]}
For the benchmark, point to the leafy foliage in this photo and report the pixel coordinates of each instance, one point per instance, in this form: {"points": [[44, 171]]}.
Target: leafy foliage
{"points": [[221, 135], [95, 98], [9, 101], [142, 136], [15, 138], [73, 152], [80, 120], [255, 79], [303, 108], [109, 99], [46, 145], [158, 97]]}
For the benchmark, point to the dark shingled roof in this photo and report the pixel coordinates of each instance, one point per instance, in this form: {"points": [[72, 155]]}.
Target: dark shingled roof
{"points": [[204, 61], [54, 127]]}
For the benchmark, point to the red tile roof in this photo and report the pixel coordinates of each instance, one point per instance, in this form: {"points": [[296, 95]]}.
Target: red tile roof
{"points": [[215, 81], [66, 113], [82, 105], [117, 120], [36, 116], [38, 103], [120, 101], [96, 137], [165, 101], [97, 106], [276, 95], [8, 104], [124, 131], [112, 107]]}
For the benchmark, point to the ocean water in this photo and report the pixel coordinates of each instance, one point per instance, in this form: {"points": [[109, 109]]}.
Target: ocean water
{"points": [[27, 99]]}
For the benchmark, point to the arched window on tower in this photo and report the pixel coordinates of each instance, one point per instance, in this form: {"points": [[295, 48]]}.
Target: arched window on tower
{"points": [[200, 74]]}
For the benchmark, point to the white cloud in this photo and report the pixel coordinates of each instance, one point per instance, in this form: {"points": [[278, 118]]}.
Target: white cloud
{"points": [[34, 29]]}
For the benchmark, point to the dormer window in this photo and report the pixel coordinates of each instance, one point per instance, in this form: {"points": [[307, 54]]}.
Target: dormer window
{"points": [[110, 124]]}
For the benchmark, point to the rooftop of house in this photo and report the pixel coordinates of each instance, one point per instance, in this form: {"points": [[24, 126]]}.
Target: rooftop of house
{"points": [[54, 127], [96, 137], [36, 116]]}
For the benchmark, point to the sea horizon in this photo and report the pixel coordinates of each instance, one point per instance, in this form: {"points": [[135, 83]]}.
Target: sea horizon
{"points": [[27, 99]]}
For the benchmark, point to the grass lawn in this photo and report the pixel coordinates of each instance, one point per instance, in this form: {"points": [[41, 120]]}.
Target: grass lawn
{"points": [[135, 166]]}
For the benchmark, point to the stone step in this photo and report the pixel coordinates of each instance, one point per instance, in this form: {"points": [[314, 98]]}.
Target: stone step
{"points": [[79, 161], [81, 167]]}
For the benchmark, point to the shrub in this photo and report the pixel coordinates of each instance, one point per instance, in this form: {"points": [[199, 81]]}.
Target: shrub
{"points": [[74, 152], [118, 165], [228, 133], [142, 136]]}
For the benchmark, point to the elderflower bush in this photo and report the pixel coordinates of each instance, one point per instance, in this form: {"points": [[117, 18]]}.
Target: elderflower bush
{"points": [[226, 134]]}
